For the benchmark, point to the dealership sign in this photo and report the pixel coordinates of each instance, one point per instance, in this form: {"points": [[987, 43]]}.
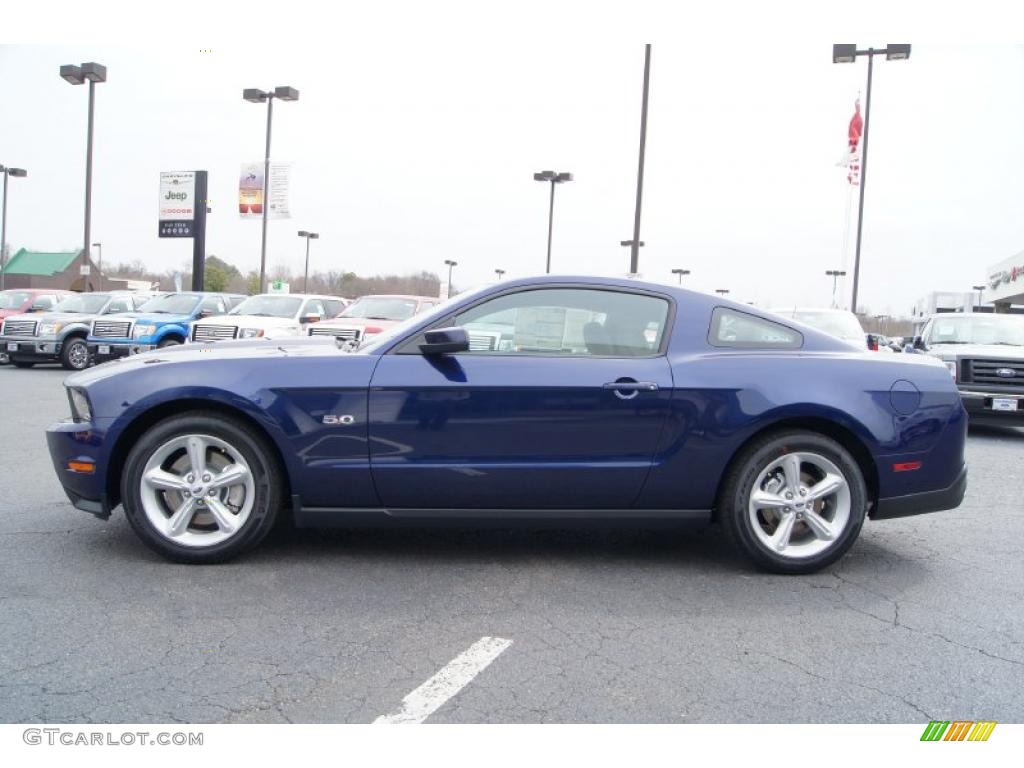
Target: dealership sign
{"points": [[177, 203]]}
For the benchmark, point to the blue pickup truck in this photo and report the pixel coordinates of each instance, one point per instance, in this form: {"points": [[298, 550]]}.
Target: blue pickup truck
{"points": [[160, 322]]}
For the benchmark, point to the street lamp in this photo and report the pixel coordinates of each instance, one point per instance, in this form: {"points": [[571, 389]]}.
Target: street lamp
{"points": [[555, 178], [979, 289], [17, 173], [835, 274], [680, 272], [99, 266], [451, 264], [76, 75], [633, 262], [256, 96], [500, 273], [847, 53], [305, 275]]}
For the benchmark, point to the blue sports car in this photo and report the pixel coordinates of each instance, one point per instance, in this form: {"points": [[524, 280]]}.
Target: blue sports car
{"points": [[550, 400]]}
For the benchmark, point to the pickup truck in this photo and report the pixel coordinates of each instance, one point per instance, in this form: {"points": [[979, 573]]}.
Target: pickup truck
{"points": [[160, 322]]}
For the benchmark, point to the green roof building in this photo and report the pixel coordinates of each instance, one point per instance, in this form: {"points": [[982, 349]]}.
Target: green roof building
{"points": [[63, 269]]}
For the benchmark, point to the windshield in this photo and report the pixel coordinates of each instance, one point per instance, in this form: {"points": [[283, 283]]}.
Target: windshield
{"points": [[977, 329], [12, 299], [85, 303], [269, 306], [381, 308], [425, 319], [842, 324], [171, 304]]}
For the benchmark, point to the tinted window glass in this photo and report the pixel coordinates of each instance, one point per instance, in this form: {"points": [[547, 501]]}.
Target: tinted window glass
{"points": [[43, 303], [568, 321], [171, 304], [119, 305], [213, 305], [333, 307], [732, 328], [315, 307], [88, 303], [12, 299]]}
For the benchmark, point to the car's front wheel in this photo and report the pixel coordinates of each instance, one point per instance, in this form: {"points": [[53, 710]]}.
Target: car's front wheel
{"points": [[201, 487], [794, 502], [74, 355], [170, 341]]}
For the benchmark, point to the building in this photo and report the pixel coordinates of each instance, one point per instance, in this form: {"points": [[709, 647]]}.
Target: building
{"points": [[67, 270], [1004, 283]]}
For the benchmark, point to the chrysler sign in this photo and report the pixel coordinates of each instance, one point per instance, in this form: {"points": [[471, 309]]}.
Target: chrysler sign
{"points": [[177, 203]]}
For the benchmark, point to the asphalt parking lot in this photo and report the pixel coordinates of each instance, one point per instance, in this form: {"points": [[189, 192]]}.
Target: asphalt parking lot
{"points": [[922, 620]]}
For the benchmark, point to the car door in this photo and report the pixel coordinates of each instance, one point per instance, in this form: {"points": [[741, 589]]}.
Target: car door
{"points": [[559, 404]]}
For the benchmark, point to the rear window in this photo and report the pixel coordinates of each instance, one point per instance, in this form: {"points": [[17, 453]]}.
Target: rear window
{"points": [[732, 328]]}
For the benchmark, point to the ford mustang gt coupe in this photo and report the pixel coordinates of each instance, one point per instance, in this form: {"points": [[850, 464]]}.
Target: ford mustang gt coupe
{"points": [[547, 400]]}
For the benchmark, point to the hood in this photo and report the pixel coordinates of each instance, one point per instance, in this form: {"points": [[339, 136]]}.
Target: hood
{"points": [[1000, 351], [156, 319], [249, 321], [356, 322], [214, 353], [60, 317]]}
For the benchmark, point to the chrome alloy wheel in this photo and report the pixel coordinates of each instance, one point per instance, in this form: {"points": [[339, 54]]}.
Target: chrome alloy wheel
{"points": [[197, 490], [78, 355], [799, 505]]}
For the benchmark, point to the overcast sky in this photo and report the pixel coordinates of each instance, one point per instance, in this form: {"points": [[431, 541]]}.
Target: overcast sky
{"points": [[407, 154]]}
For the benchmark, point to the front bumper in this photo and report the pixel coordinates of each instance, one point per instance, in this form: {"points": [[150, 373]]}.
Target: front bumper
{"points": [[79, 442], [921, 503], [980, 406], [101, 352], [31, 347]]}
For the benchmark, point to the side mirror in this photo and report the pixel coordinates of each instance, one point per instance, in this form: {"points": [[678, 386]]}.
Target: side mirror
{"points": [[919, 343], [310, 318], [444, 341]]}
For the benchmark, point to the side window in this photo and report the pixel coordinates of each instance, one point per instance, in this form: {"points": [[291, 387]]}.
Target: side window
{"points": [[119, 305], [732, 328], [43, 304], [315, 307], [333, 307], [136, 301], [568, 321], [212, 305]]}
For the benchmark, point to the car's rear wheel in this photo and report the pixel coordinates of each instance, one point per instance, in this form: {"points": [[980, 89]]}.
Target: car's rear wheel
{"points": [[22, 363], [74, 355], [794, 502], [201, 488]]}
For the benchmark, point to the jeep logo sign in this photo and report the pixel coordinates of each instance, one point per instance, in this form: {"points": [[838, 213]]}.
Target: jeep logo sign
{"points": [[177, 204]]}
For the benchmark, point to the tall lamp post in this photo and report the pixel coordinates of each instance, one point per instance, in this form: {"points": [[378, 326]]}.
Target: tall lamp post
{"points": [[305, 274], [500, 273], [451, 265], [979, 289], [633, 260], [835, 274], [555, 178], [847, 53], [256, 96], [76, 75], [17, 173], [680, 272], [99, 266]]}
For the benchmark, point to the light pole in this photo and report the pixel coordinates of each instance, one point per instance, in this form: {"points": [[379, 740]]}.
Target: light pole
{"points": [[451, 265], [500, 273], [99, 266], [632, 259], [76, 75], [680, 272], [256, 96], [979, 289], [835, 274], [847, 53], [636, 242], [17, 173], [555, 178], [305, 275]]}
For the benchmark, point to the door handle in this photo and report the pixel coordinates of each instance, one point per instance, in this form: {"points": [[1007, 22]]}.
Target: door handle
{"points": [[634, 386]]}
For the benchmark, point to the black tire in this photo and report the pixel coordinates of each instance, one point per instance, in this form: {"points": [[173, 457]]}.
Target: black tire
{"points": [[74, 354], [170, 341], [22, 363], [253, 447], [733, 505]]}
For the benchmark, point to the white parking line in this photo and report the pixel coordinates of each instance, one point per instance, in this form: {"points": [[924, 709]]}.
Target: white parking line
{"points": [[450, 679]]}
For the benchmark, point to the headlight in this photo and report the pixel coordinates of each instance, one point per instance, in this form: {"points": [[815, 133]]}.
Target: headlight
{"points": [[49, 329], [80, 410], [250, 333], [143, 330]]}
